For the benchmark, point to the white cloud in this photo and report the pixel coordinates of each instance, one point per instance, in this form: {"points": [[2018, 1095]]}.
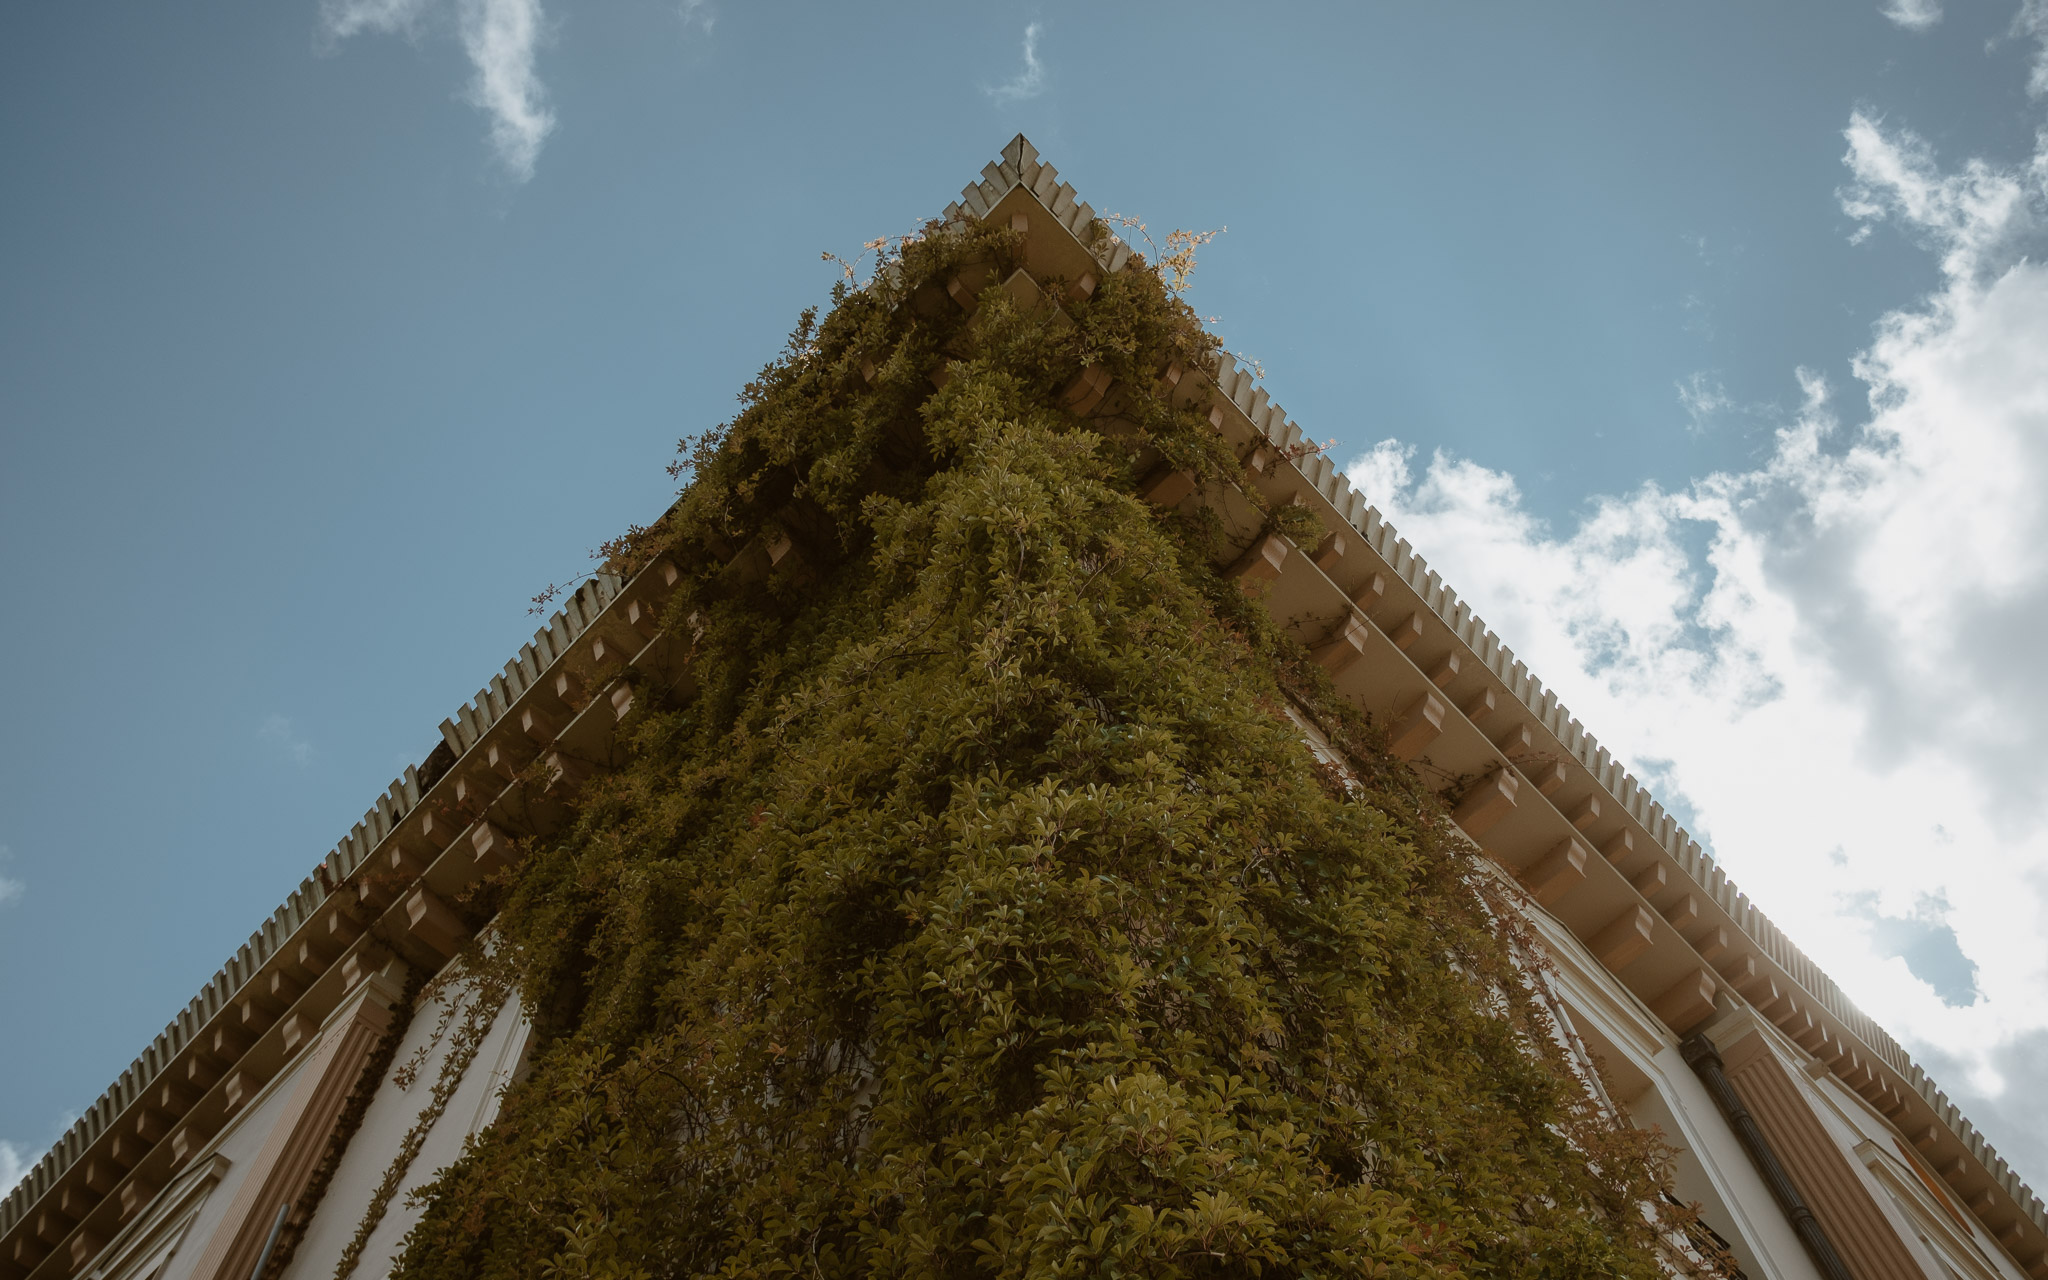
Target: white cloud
{"points": [[1029, 81], [501, 38], [2031, 22], [1914, 15], [1704, 399], [277, 731], [1833, 660], [701, 14], [11, 889], [1980, 219], [14, 1166], [341, 19]]}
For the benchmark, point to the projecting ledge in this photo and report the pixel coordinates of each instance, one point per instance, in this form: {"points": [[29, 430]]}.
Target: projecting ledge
{"points": [[1624, 939], [1688, 1002], [1557, 872], [1487, 803], [1262, 562], [1346, 645], [1417, 727]]}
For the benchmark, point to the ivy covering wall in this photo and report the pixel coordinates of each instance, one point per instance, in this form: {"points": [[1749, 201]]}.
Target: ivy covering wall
{"points": [[975, 909]]}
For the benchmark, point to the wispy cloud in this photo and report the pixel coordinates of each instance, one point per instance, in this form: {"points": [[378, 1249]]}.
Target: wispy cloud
{"points": [[1913, 15], [1699, 315], [701, 14], [14, 1166], [1029, 81], [277, 731], [1704, 399], [502, 39], [2031, 22], [11, 889], [1981, 218], [340, 19], [1829, 657], [1709, 407]]}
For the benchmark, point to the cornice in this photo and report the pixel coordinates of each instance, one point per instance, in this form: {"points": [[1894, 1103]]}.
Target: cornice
{"points": [[338, 928]]}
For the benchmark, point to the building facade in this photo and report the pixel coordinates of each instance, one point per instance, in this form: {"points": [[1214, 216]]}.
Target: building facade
{"points": [[344, 1054]]}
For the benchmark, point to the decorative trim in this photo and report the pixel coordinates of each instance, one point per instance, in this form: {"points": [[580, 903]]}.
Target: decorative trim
{"points": [[281, 1170], [1595, 988], [155, 1236], [1833, 1181], [1699, 1054], [303, 915], [368, 1081]]}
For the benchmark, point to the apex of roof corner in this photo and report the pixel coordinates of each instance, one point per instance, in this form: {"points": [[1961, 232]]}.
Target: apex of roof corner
{"points": [[1019, 150]]}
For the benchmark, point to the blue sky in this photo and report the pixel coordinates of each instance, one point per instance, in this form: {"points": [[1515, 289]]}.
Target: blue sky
{"points": [[331, 333]]}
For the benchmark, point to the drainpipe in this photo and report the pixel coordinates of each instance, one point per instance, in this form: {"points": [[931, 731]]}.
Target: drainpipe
{"points": [[275, 1229], [1705, 1060]]}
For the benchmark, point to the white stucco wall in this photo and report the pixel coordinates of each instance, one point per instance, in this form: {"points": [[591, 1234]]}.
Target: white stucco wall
{"points": [[390, 1117]]}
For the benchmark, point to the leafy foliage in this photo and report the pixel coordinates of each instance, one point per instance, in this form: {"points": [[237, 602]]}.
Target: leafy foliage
{"points": [[977, 910]]}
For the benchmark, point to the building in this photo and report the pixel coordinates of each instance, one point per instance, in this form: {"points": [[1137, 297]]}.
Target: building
{"points": [[275, 1126]]}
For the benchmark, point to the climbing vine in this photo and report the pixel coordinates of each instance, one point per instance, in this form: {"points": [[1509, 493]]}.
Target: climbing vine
{"points": [[974, 907], [472, 992]]}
